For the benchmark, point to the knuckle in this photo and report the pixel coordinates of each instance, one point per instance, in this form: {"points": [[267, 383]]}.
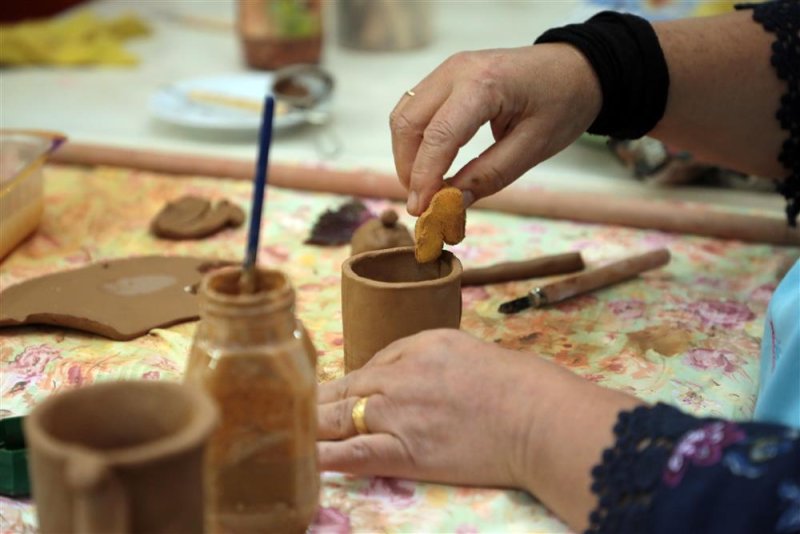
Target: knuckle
{"points": [[360, 452], [492, 177], [439, 132], [402, 126], [342, 418], [438, 337]]}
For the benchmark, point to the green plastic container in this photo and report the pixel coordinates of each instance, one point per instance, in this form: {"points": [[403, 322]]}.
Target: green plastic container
{"points": [[14, 480]]}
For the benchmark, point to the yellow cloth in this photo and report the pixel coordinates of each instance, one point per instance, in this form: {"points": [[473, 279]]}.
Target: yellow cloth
{"points": [[81, 39]]}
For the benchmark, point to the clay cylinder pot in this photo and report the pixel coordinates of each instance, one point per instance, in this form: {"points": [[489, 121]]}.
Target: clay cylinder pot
{"points": [[387, 295], [120, 457]]}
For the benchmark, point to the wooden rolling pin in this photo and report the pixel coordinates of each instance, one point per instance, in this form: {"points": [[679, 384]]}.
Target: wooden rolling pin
{"points": [[587, 281], [522, 270], [678, 217]]}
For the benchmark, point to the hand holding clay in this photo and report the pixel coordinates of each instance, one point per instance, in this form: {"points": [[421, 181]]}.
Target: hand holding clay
{"points": [[443, 222], [537, 99]]}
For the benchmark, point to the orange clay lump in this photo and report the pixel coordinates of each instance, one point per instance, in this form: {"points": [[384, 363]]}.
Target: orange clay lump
{"points": [[443, 222]]}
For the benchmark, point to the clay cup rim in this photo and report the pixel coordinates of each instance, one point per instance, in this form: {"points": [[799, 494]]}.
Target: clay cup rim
{"points": [[446, 257], [203, 417]]}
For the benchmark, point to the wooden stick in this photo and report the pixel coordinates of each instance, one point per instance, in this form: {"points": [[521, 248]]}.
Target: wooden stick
{"points": [[668, 216], [522, 270], [616, 272]]}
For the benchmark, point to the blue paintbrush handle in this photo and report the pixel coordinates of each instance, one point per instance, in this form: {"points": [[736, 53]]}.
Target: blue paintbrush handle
{"points": [[259, 183]]}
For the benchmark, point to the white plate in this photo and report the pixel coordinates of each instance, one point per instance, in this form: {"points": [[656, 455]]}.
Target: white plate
{"points": [[222, 103]]}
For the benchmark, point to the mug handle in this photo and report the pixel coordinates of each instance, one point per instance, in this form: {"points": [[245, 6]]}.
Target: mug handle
{"points": [[100, 505]]}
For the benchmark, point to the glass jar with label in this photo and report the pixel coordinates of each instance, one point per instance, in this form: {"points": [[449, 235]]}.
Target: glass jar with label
{"points": [[277, 33], [253, 356]]}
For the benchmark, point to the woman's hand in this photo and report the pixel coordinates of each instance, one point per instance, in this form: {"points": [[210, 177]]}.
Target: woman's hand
{"points": [[444, 406], [537, 99], [441, 406]]}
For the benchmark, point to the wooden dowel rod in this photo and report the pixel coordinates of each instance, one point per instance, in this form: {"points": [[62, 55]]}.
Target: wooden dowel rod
{"points": [[568, 262], [667, 216]]}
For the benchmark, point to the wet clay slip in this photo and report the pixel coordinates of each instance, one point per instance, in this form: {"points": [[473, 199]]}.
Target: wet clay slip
{"points": [[443, 222], [387, 295], [118, 299], [379, 234], [254, 358], [192, 217], [120, 457]]}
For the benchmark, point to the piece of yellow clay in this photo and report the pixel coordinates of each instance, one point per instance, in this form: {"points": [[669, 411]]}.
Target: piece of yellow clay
{"points": [[443, 222]]}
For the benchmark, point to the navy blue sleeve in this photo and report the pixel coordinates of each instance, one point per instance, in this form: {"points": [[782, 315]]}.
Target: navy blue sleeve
{"points": [[669, 472]]}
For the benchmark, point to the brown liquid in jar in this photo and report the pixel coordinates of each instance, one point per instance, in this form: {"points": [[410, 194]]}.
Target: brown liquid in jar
{"points": [[253, 359]]}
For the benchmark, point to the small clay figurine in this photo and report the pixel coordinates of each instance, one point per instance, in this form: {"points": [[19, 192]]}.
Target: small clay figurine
{"points": [[379, 234], [443, 222], [192, 217]]}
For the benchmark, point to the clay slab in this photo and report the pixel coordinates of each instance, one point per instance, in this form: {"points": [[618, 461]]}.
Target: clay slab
{"points": [[119, 299]]}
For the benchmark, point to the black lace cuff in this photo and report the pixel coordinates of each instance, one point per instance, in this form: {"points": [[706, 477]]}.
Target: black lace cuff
{"points": [[670, 472], [630, 472], [782, 17]]}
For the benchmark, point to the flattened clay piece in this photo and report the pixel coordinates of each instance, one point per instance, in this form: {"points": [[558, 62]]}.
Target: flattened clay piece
{"points": [[379, 234], [443, 222], [118, 299], [193, 217]]}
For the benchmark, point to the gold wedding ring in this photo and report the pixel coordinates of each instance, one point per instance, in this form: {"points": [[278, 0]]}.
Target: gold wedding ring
{"points": [[410, 93], [359, 415]]}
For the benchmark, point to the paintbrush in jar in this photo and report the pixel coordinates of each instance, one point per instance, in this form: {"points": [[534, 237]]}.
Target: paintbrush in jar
{"points": [[247, 282], [587, 281]]}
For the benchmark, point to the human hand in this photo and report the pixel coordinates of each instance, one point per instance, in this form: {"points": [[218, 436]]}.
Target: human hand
{"points": [[537, 99], [443, 406]]}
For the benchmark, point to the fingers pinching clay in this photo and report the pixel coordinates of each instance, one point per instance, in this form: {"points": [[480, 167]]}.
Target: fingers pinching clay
{"points": [[443, 222]]}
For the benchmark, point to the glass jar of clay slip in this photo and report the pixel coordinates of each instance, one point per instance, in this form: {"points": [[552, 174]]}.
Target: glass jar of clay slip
{"points": [[254, 358]]}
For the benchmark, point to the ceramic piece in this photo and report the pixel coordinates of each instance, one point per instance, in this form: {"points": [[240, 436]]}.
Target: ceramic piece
{"points": [[119, 299], [379, 234], [120, 457], [387, 295]]}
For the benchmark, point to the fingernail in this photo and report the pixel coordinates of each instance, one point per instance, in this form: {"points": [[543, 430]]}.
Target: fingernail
{"points": [[413, 201], [467, 198]]}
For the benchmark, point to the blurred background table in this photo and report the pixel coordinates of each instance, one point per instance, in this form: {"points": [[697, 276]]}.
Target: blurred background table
{"points": [[198, 39]]}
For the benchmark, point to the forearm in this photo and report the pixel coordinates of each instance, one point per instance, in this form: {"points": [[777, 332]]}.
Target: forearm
{"points": [[572, 426], [723, 93]]}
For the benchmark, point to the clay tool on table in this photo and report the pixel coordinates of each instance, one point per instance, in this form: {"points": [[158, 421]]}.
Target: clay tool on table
{"points": [[587, 281], [248, 281], [568, 262]]}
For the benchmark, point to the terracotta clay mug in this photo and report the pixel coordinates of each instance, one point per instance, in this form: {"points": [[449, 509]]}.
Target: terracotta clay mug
{"points": [[120, 457], [387, 295]]}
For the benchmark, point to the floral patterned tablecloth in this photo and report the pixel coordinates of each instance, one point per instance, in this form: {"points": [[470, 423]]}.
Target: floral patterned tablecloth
{"points": [[687, 334]]}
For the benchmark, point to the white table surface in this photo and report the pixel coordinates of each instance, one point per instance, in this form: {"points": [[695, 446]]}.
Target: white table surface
{"points": [[110, 104]]}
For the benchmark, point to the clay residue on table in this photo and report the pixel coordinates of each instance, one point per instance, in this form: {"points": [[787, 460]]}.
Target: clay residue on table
{"points": [[192, 217], [664, 339]]}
